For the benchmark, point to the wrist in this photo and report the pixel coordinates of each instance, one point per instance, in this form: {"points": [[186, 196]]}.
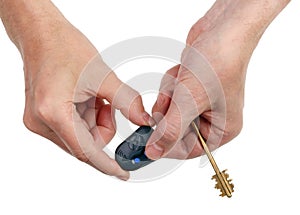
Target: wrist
{"points": [[29, 22], [248, 18]]}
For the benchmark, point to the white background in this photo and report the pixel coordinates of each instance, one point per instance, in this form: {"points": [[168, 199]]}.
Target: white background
{"points": [[36, 177]]}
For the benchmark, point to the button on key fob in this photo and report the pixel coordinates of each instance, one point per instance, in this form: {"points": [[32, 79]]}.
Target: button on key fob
{"points": [[130, 154]]}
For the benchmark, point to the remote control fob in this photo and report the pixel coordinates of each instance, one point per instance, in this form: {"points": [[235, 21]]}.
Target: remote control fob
{"points": [[130, 154]]}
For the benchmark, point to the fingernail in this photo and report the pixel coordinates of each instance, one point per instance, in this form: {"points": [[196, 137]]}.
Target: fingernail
{"points": [[148, 119], [160, 99], [154, 152]]}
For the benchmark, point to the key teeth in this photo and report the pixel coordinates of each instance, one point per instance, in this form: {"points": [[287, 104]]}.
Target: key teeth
{"points": [[214, 177], [218, 183], [225, 173]]}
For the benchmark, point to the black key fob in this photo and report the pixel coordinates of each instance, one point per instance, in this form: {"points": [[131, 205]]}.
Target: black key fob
{"points": [[130, 154]]}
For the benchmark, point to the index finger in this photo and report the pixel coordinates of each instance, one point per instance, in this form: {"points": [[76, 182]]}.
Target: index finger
{"points": [[80, 142]]}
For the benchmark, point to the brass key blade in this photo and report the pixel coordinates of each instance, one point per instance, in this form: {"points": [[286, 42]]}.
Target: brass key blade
{"points": [[222, 182], [225, 176]]}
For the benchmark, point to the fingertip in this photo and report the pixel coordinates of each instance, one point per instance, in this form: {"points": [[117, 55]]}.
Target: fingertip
{"points": [[116, 171], [148, 120], [154, 151], [124, 177], [137, 113], [121, 173], [155, 145], [127, 100]]}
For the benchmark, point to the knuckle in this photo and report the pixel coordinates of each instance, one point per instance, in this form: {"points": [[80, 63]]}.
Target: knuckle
{"points": [[131, 93], [44, 109], [137, 98], [233, 130], [171, 133], [167, 83], [81, 156], [125, 96], [28, 123], [42, 112], [84, 155], [184, 53], [238, 127], [185, 74], [44, 103]]}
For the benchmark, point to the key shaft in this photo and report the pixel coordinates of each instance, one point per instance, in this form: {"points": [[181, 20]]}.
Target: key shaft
{"points": [[221, 178]]}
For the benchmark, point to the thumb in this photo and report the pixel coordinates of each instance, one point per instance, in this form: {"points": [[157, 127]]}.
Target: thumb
{"points": [[124, 98], [98, 80], [183, 109]]}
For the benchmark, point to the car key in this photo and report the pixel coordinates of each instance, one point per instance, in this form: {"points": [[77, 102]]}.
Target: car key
{"points": [[222, 178], [130, 154]]}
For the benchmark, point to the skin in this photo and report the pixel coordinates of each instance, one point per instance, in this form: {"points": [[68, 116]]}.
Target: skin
{"points": [[225, 38], [67, 81], [64, 103]]}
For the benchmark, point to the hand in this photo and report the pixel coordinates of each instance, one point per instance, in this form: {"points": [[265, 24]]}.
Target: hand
{"points": [[67, 84], [183, 97], [209, 83]]}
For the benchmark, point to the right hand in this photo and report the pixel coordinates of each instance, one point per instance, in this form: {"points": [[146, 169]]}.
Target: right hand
{"points": [[67, 84]]}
